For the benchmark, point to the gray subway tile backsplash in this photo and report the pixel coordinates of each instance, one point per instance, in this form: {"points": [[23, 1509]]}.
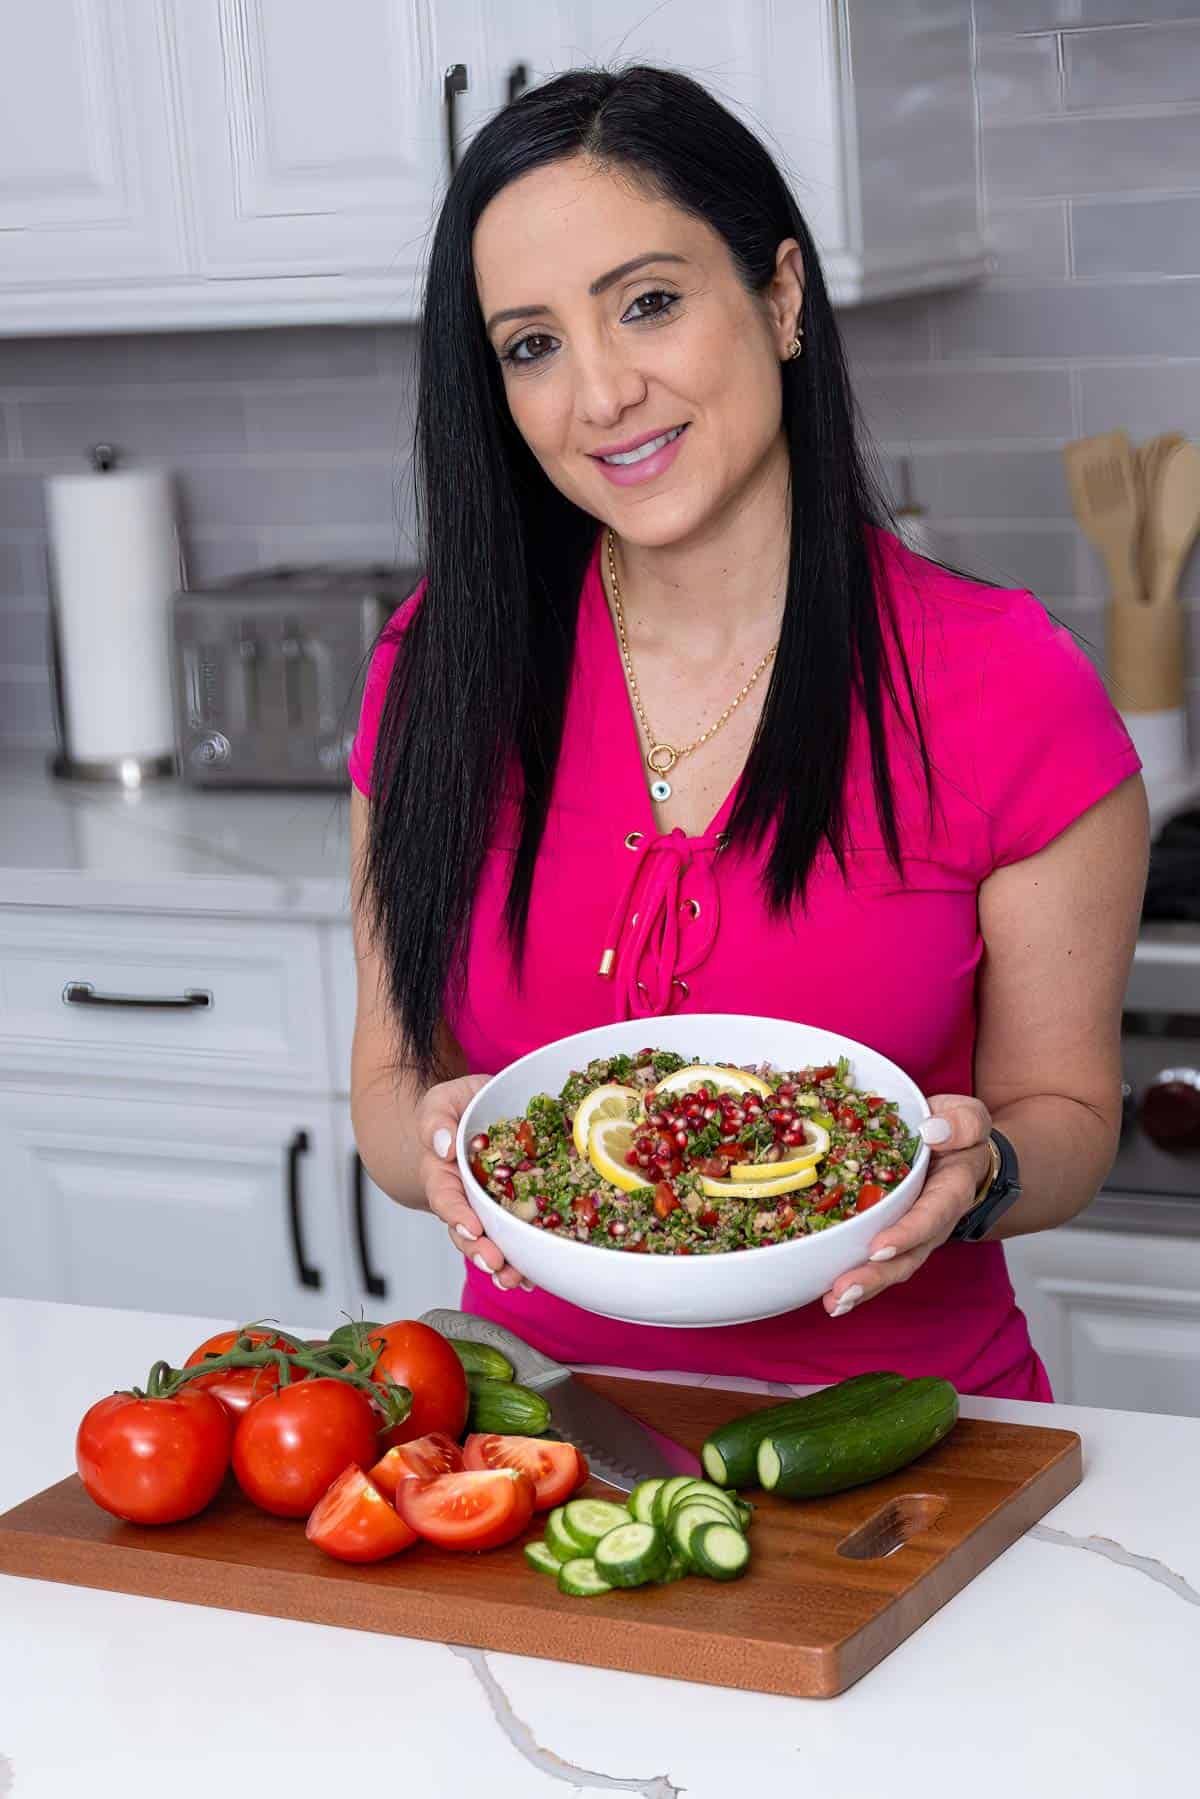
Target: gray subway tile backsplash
{"points": [[1146, 65], [1096, 155], [292, 444], [1136, 237]]}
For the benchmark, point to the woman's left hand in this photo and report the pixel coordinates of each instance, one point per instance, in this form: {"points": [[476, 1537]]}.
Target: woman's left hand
{"points": [[958, 1163]]}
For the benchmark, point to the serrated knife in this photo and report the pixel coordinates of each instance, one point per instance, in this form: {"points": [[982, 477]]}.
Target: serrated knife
{"points": [[620, 1449]]}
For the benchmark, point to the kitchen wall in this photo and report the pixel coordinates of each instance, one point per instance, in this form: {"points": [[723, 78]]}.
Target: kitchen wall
{"points": [[293, 443]]}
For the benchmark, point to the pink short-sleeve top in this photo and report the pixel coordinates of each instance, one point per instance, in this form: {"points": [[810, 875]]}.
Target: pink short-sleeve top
{"points": [[1022, 738]]}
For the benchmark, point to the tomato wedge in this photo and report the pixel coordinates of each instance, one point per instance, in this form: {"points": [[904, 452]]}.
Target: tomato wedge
{"points": [[555, 1469], [354, 1521], [473, 1509], [433, 1454]]}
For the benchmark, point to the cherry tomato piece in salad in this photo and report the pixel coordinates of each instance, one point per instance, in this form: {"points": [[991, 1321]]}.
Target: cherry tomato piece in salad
{"points": [[473, 1509], [425, 1456], [291, 1446], [355, 1522], [869, 1194], [556, 1469], [154, 1461], [418, 1358]]}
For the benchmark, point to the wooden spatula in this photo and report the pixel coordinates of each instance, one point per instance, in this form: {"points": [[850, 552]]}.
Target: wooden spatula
{"points": [[1102, 477], [1173, 521], [1148, 460]]}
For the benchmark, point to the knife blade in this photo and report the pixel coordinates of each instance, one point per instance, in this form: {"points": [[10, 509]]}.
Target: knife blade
{"points": [[620, 1448]]}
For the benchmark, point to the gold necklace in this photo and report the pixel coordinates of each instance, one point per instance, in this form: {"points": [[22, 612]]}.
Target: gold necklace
{"points": [[662, 757]]}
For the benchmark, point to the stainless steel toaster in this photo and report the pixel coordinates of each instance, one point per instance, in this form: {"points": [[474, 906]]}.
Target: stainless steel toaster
{"points": [[269, 669]]}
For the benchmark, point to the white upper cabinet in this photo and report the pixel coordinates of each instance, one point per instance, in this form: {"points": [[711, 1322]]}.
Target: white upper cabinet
{"points": [[184, 163]]}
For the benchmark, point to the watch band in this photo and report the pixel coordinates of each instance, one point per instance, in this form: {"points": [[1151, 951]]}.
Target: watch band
{"points": [[999, 1193]]}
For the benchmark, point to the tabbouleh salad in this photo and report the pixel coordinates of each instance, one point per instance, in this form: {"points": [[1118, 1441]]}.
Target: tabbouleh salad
{"points": [[664, 1156]]}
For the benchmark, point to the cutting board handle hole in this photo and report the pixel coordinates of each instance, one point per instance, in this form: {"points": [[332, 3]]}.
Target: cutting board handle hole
{"points": [[892, 1526]]}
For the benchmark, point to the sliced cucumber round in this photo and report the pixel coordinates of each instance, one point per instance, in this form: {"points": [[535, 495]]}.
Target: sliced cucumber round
{"points": [[677, 1569], [686, 1520], [641, 1500], [542, 1557], [719, 1551], [559, 1540], [704, 1489], [587, 1520], [582, 1579], [666, 1493], [632, 1554]]}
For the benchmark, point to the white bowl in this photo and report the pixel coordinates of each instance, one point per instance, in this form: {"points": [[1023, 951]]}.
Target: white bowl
{"points": [[725, 1287]]}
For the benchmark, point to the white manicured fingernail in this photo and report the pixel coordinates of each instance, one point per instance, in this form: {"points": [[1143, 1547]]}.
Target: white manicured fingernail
{"points": [[936, 1130], [528, 1287], [442, 1139], [471, 1236], [481, 1263], [847, 1302], [497, 1282], [885, 1255]]}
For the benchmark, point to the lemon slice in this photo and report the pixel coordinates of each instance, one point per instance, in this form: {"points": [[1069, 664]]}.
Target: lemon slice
{"points": [[818, 1142], [768, 1189], [609, 1101], [702, 1074], [609, 1142]]}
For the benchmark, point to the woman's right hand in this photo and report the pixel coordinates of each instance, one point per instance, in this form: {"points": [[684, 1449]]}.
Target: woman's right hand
{"points": [[437, 1120]]}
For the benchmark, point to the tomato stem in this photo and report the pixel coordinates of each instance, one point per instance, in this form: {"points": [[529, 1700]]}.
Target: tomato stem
{"points": [[386, 1395]]}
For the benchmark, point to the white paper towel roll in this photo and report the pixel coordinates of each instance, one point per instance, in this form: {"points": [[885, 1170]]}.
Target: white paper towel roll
{"points": [[115, 558]]}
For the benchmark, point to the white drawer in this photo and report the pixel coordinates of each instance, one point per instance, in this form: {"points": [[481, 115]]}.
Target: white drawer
{"points": [[261, 1022], [342, 980]]}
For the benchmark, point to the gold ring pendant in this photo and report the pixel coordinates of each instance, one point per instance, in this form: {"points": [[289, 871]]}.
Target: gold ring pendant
{"points": [[662, 758]]}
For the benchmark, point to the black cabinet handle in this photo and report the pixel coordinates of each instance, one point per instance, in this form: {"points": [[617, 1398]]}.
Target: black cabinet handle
{"points": [[82, 993], [518, 80], [454, 82], [374, 1283], [308, 1275]]}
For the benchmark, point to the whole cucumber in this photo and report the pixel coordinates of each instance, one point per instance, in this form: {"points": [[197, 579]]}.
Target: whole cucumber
{"points": [[808, 1462], [481, 1358], [505, 1409], [730, 1451]]}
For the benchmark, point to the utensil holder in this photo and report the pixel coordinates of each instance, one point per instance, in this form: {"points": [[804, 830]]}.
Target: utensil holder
{"points": [[1146, 656]]}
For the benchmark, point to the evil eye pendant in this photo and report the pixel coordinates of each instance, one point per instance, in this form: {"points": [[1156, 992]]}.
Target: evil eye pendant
{"points": [[660, 790]]}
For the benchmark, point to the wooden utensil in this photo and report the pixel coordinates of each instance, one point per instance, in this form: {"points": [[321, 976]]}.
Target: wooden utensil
{"points": [[1148, 459], [1102, 477], [834, 1584], [1173, 520]]}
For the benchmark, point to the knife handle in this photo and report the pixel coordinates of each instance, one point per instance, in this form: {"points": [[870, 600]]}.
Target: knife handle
{"points": [[532, 1368]]}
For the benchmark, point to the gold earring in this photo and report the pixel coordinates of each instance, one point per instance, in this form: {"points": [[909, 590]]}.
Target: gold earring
{"points": [[795, 347]]}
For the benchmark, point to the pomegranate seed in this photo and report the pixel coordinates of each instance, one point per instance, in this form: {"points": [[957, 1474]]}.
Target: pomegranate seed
{"points": [[662, 1152], [506, 1189], [552, 1221], [787, 1089], [479, 1143], [674, 1167], [777, 1115], [525, 1166], [541, 1201], [617, 1228], [902, 1170], [710, 1111], [708, 1217], [631, 1159], [643, 1158], [763, 1241], [704, 1096], [681, 1139], [793, 1137], [691, 1105], [503, 1173], [753, 1108]]}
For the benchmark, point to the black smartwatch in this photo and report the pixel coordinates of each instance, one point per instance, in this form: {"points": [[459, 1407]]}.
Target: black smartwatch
{"points": [[1003, 1190]]}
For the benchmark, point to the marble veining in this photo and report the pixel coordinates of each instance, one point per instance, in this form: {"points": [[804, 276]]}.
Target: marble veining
{"points": [[519, 1734], [1148, 1565]]}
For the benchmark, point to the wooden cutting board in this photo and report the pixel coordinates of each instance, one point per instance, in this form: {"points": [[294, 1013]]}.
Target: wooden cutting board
{"points": [[822, 1603]]}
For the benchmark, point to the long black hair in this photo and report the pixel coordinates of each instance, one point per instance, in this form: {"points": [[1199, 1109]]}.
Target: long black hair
{"points": [[479, 687]]}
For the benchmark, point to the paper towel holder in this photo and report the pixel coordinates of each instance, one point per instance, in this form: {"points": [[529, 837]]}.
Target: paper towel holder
{"points": [[128, 772]]}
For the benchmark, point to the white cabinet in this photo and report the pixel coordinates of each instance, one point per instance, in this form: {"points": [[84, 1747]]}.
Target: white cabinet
{"points": [[199, 1157], [401, 1261], [185, 163], [1114, 1316], [151, 1204]]}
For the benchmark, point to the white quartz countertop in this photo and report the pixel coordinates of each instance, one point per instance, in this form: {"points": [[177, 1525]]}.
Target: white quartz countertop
{"points": [[170, 847], [1070, 1666]]}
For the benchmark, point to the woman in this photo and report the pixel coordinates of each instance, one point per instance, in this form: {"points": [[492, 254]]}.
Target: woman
{"points": [[675, 723]]}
